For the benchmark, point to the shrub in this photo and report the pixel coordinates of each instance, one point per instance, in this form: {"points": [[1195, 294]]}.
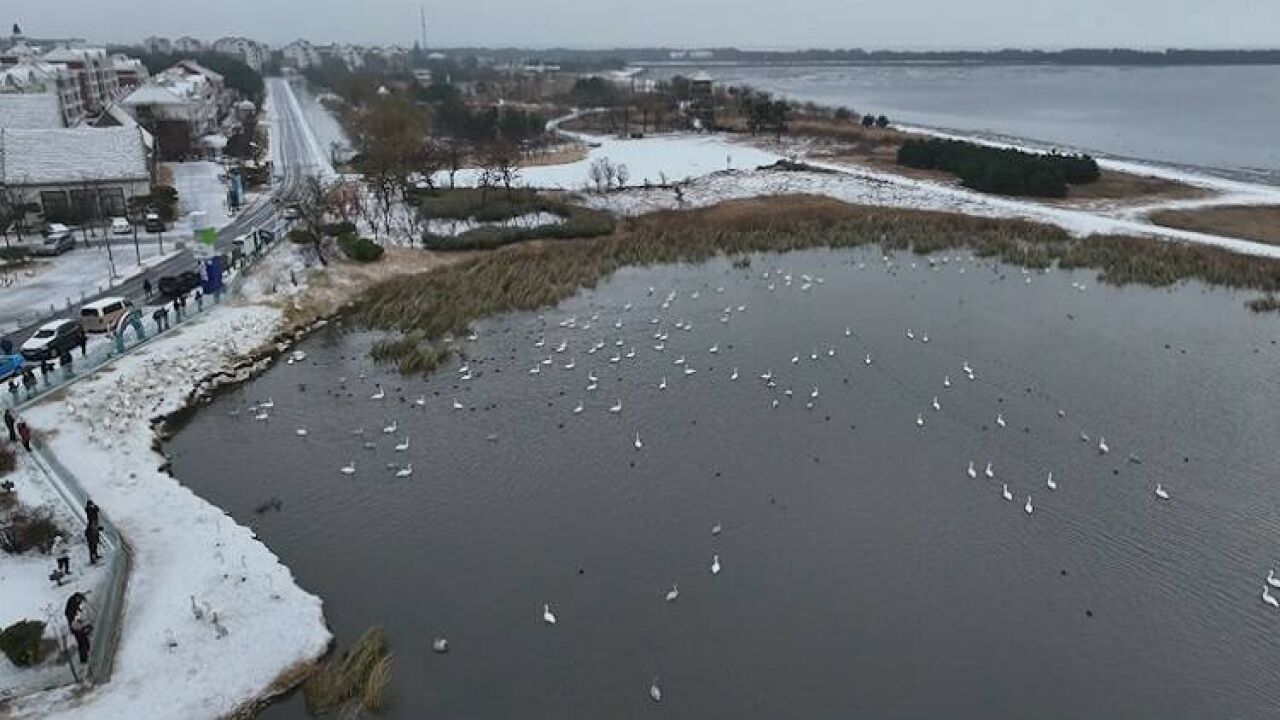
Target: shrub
{"points": [[359, 249], [338, 229], [360, 673], [301, 236], [29, 530], [22, 642], [493, 205], [1000, 170]]}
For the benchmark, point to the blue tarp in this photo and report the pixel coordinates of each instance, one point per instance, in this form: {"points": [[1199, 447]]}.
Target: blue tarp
{"points": [[10, 365]]}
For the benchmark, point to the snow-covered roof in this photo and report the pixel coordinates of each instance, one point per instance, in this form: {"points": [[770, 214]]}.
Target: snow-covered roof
{"points": [[153, 95], [71, 155], [701, 76], [29, 111], [199, 69]]}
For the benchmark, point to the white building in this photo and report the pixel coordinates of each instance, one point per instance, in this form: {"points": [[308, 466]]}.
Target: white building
{"points": [[92, 69], [180, 107], [301, 54], [250, 52], [187, 44], [156, 44], [76, 174], [33, 77]]}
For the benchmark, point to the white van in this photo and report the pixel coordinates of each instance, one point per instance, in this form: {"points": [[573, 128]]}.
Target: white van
{"points": [[99, 315]]}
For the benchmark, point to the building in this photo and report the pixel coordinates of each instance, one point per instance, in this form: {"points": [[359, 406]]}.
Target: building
{"points": [[92, 70], [74, 175], [250, 52], [159, 45], [179, 107], [130, 72], [300, 54], [30, 111], [33, 77], [187, 44]]}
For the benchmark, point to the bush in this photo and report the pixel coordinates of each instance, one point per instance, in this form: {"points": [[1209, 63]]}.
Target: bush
{"points": [[494, 205], [29, 530], [22, 642], [339, 228], [1000, 170], [301, 236], [359, 249]]}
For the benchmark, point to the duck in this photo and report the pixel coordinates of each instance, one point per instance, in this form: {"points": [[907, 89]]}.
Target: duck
{"points": [[970, 471], [379, 393], [1004, 491], [547, 616], [989, 472], [1028, 507], [1161, 492], [405, 471], [348, 469], [715, 564], [1050, 483], [673, 593], [402, 446]]}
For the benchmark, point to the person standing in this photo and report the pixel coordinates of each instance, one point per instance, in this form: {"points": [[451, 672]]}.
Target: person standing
{"points": [[62, 554], [81, 622], [146, 288], [10, 420], [93, 536], [92, 512], [6, 346], [29, 382], [84, 344], [199, 300], [24, 434], [13, 390]]}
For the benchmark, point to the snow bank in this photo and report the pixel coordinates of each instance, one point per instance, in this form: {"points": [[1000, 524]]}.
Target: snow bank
{"points": [[183, 546]]}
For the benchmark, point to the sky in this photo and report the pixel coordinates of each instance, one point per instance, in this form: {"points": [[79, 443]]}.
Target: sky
{"points": [[907, 24]]}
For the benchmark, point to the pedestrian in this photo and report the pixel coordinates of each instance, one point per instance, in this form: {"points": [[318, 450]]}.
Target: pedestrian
{"points": [[6, 346], [177, 308], [92, 512], [146, 288], [24, 434], [13, 390], [84, 344], [164, 315], [93, 536], [199, 300], [44, 372], [62, 554], [10, 420], [29, 382], [158, 316], [80, 620], [64, 362]]}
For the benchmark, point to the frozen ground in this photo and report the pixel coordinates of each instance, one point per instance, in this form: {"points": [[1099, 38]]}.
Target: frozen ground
{"points": [[201, 190], [31, 293], [171, 664]]}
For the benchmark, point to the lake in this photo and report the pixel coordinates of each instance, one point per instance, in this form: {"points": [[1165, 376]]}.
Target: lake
{"points": [[864, 573], [1218, 119]]}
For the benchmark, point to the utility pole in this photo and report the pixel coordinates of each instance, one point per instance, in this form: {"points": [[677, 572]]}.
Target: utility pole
{"points": [[422, 18]]}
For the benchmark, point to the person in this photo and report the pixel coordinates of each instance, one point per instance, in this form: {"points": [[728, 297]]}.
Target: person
{"points": [[10, 420], [64, 362], [199, 300], [177, 308], [6, 346], [24, 434], [92, 512], [44, 372], [158, 316], [146, 288], [93, 536], [62, 554], [81, 622], [13, 390], [29, 382], [84, 344]]}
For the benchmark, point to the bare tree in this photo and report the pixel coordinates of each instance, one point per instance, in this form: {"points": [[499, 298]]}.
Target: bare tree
{"points": [[313, 206], [502, 162], [621, 173]]}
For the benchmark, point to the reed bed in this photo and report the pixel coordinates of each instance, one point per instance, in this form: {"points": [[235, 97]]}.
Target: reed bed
{"points": [[356, 679], [425, 307]]}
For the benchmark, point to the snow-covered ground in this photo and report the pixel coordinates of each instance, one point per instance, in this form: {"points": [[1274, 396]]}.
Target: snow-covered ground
{"points": [[325, 127], [200, 189], [34, 292], [169, 663], [451, 228]]}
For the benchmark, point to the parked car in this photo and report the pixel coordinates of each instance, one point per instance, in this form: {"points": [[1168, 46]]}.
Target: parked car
{"points": [[52, 339], [57, 240], [120, 226], [292, 211], [153, 223], [171, 286], [100, 315]]}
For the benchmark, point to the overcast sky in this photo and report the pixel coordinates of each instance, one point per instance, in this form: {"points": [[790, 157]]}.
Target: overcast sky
{"points": [[681, 23]]}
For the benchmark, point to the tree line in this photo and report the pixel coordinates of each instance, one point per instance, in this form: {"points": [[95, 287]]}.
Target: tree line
{"points": [[235, 74], [1004, 171]]}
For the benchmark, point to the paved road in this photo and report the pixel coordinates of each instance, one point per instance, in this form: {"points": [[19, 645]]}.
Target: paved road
{"points": [[298, 157]]}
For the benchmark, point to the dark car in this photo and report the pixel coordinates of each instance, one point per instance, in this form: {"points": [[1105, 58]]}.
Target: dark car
{"points": [[52, 339], [153, 223], [171, 286]]}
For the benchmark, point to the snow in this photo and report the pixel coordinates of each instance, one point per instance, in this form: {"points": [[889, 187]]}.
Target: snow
{"points": [[183, 547], [72, 155], [30, 111], [200, 189], [452, 228], [35, 291], [326, 128], [318, 153]]}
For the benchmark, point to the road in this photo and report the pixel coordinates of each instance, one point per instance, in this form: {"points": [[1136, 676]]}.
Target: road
{"points": [[297, 154]]}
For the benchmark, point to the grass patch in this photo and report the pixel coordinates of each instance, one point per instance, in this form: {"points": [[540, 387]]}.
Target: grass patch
{"points": [[358, 677], [411, 352], [1266, 303], [495, 205], [579, 223], [1260, 223]]}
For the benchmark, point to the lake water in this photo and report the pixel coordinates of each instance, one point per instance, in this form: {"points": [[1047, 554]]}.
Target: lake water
{"points": [[1221, 119], [864, 573]]}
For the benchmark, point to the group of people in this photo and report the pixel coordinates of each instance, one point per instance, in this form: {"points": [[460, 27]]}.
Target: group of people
{"points": [[78, 612], [27, 377], [161, 314]]}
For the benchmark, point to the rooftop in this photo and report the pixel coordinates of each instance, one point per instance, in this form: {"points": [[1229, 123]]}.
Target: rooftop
{"points": [[29, 111], [71, 155]]}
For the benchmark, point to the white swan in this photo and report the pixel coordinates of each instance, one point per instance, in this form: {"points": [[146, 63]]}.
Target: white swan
{"points": [[946, 381], [348, 469], [989, 472], [1272, 580], [262, 415], [673, 593], [690, 371], [547, 616], [268, 404], [678, 361], [662, 385], [715, 564], [456, 405], [541, 342], [617, 407], [379, 393], [1050, 483], [1028, 507], [936, 404], [1102, 445], [405, 471], [973, 473], [767, 375], [734, 375], [421, 401], [1268, 598], [919, 420], [1161, 492], [1000, 419], [814, 393], [655, 692], [910, 335], [638, 444], [1004, 490], [714, 349], [867, 359], [795, 359], [571, 365], [391, 428], [848, 331], [301, 432], [715, 530], [535, 370], [577, 410], [402, 446]]}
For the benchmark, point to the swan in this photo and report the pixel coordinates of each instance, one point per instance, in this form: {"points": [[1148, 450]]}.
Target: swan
{"points": [[910, 335], [1000, 419], [379, 393], [571, 365], [946, 381], [734, 375], [262, 415], [402, 446], [1103, 448], [456, 405], [1050, 483], [654, 691], [936, 404], [989, 472], [919, 420], [421, 401], [267, 404], [678, 361], [1028, 507], [970, 471], [814, 393], [659, 347], [813, 356], [405, 471], [541, 342], [631, 352], [388, 429], [617, 407], [1272, 580], [638, 444], [663, 384], [715, 530], [591, 387], [591, 377], [673, 593], [1161, 492], [1004, 490], [535, 370], [547, 616], [615, 359], [564, 344], [767, 376], [714, 349], [617, 324], [867, 359], [301, 432], [924, 338], [546, 360], [690, 371], [831, 352], [578, 409], [715, 564], [464, 369], [348, 469], [1268, 598]]}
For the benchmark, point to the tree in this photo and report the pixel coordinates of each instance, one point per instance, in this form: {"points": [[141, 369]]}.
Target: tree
{"points": [[621, 173], [313, 206], [390, 144], [882, 122], [502, 161], [868, 120]]}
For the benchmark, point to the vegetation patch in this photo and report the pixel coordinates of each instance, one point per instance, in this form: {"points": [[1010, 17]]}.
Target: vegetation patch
{"points": [[486, 204], [428, 306], [28, 529], [1003, 171], [22, 643], [1260, 223], [355, 680], [493, 206], [1266, 303], [358, 248]]}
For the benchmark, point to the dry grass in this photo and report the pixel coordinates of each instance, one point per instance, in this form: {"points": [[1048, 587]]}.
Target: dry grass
{"points": [[360, 674], [557, 155], [376, 685], [1114, 185], [1260, 223]]}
